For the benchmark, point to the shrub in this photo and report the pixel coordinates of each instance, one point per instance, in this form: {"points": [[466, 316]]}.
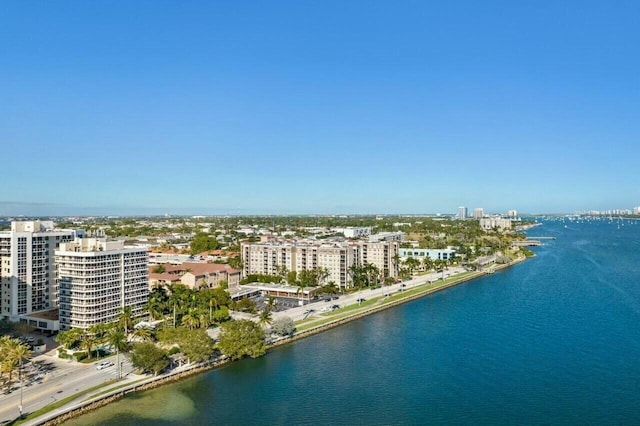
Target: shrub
{"points": [[79, 356]]}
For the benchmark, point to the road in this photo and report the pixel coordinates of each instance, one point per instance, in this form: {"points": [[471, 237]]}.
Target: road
{"points": [[300, 312], [64, 379]]}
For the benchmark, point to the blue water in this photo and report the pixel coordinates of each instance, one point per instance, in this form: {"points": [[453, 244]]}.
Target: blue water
{"points": [[553, 340]]}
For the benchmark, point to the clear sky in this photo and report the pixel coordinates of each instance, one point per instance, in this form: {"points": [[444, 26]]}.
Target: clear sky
{"points": [[212, 107]]}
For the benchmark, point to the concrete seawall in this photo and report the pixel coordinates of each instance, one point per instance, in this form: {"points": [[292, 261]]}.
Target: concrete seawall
{"points": [[64, 414]]}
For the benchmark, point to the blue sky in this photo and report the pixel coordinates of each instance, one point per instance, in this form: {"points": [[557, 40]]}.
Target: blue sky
{"points": [[291, 107]]}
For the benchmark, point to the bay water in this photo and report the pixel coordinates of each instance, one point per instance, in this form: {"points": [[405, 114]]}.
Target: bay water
{"points": [[554, 340]]}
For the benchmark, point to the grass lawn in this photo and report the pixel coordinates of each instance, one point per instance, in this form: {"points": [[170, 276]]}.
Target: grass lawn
{"points": [[380, 301], [59, 403]]}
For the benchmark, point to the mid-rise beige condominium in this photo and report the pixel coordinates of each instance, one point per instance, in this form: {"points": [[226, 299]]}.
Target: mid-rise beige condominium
{"points": [[97, 279], [27, 268], [276, 255]]}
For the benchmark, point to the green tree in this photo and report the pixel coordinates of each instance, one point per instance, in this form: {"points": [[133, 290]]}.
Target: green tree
{"points": [[242, 338], [235, 262], [125, 319], [191, 319], [158, 269], [265, 318], [203, 242], [292, 277], [221, 315], [70, 338], [283, 326], [89, 341], [245, 305], [149, 358], [145, 334], [196, 345], [412, 264], [118, 341]]}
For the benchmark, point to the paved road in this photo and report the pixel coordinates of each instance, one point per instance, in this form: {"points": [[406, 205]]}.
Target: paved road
{"points": [[67, 378], [64, 379], [301, 312]]}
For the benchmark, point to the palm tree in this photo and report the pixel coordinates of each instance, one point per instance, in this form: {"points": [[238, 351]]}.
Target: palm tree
{"points": [[357, 275], [412, 263], [396, 263], [265, 318], [212, 302], [8, 361], [272, 302], [125, 319], [372, 273], [191, 319], [19, 353], [203, 319], [8, 366], [146, 334], [427, 263], [118, 341], [88, 342], [322, 274]]}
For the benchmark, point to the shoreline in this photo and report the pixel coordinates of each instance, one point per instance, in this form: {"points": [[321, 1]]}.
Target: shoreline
{"points": [[117, 393]]}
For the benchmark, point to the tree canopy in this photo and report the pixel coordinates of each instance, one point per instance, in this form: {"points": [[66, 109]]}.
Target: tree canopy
{"points": [[242, 338], [149, 357]]}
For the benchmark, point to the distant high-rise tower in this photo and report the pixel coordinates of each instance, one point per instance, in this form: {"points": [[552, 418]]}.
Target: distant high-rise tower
{"points": [[462, 213], [512, 213], [478, 213]]}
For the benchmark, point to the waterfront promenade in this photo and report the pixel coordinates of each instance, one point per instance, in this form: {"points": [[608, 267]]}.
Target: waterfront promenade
{"points": [[309, 320]]}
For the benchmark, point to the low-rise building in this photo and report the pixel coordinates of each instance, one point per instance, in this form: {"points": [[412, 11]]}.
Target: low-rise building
{"points": [[356, 232], [387, 236], [195, 275], [433, 254]]}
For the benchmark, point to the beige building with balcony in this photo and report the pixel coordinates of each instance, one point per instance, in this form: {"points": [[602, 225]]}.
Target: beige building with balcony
{"points": [[97, 279], [337, 257], [195, 275]]}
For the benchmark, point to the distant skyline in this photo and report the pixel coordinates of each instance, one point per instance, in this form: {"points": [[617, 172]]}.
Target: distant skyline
{"points": [[286, 107]]}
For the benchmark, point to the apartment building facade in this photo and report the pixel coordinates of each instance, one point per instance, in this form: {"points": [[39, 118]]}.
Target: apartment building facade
{"points": [[97, 278], [195, 275], [27, 268], [433, 254], [336, 257], [490, 223]]}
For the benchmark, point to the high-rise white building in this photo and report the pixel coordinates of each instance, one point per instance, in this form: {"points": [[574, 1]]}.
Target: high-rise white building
{"points": [[27, 269], [462, 213], [512, 213], [336, 257], [97, 278]]}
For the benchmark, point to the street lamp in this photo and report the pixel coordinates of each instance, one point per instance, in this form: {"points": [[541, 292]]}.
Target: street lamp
{"points": [[21, 386]]}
